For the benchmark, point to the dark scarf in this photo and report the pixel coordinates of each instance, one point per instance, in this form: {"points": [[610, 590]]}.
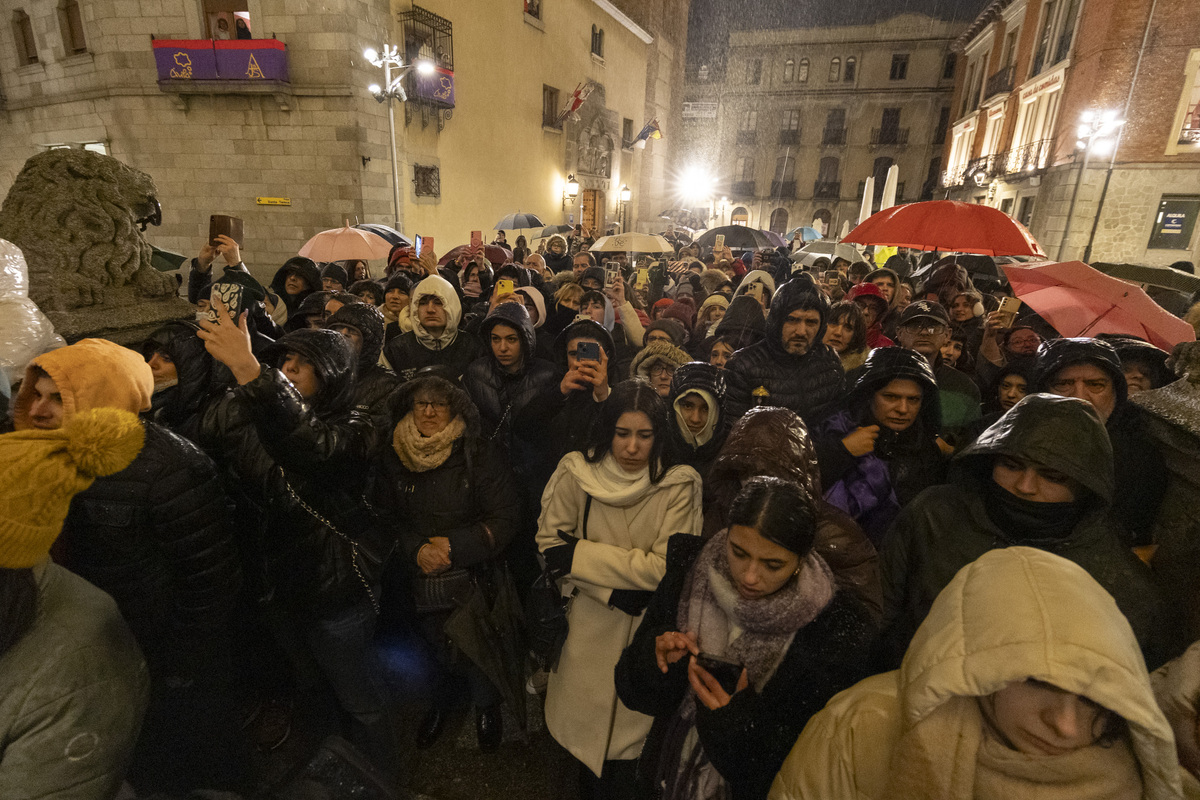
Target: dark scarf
{"points": [[1027, 522]]}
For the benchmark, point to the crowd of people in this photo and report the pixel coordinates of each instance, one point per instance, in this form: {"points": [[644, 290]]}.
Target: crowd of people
{"points": [[753, 528]]}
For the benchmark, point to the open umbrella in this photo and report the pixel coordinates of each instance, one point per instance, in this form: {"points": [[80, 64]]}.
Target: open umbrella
{"points": [[494, 253], [550, 230], [393, 236], [341, 244], [948, 225], [975, 266], [519, 221], [1165, 277], [632, 243], [1078, 300], [806, 234], [808, 254], [740, 237]]}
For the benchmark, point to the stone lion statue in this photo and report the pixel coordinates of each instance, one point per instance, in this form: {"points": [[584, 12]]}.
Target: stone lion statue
{"points": [[78, 216]]}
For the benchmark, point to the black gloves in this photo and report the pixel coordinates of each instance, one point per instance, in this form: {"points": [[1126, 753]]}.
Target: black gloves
{"points": [[631, 601], [559, 557]]}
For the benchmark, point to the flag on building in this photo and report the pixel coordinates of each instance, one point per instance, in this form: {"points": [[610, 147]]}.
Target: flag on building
{"points": [[650, 131], [577, 98]]}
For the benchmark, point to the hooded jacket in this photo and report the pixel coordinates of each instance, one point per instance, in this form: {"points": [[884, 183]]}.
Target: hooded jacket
{"points": [[265, 436], [373, 384], [313, 305], [1140, 469], [873, 487], [684, 447], [178, 408], [1012, 615], [504, 398], [756, 276], [775, 442], [420, 348], [766, 374], [155, 535], [951, 525], [306, 268], [875, 337]]}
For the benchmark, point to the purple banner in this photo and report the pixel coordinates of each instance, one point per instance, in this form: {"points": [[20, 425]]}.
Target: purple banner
{"points": [[233, 60], [437, 88]]}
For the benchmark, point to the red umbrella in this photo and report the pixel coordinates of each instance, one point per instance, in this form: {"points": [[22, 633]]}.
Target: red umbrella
{"points": [[947, 225], [494, 253], [1078, 300]]}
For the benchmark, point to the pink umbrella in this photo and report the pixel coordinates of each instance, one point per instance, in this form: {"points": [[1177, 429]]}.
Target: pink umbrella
{"points": [[494, 253], [341, 244], [1078, 300]]}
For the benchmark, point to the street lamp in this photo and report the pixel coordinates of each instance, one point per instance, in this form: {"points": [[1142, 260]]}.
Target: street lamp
{"points": [[394, 72], [626, 196], [1092, 126], [570, 192]]}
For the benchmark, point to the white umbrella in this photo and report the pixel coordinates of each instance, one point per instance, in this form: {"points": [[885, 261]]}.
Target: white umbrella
{"points": [[632, 243], [889, 187], [824, 248], [868, 198]]}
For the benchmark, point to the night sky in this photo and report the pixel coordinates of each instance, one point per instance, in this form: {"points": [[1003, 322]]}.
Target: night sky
{"points": [[711, 20]]}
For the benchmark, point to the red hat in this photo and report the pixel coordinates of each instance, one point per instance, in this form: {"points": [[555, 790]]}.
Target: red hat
{"points": [[867, 290]]}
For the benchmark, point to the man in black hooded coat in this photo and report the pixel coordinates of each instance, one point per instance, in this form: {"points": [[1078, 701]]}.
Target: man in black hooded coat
{"points": [[295, 466], [791, 367], [179, 406], [293, 292], [362, 325]]}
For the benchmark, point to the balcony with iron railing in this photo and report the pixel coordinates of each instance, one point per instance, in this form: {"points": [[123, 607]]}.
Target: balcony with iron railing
{"points": [[827, 190], [889, 136], [783, 189], [789, 137], [1000, 82], [1020, 162], [747, 137], [834, 136], [954, 176], [742, 188]]}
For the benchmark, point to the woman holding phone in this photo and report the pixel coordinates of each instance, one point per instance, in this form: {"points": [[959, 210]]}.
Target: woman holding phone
{"points": [[607, 513], [744, 640]]}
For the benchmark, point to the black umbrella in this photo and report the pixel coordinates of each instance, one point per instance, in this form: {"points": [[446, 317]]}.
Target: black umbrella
{"points": [[740, 237], [976, 266], [550, 230], [393, 236], [1165, 277]]}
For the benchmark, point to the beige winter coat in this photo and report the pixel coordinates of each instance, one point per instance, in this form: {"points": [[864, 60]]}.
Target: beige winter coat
{"points": [[1013, 614], [625, 548]]}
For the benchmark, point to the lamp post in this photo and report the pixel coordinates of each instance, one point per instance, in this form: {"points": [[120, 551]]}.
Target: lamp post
{"points": [[626, 196], [570, 193], [394, 72], [1092, 126]]}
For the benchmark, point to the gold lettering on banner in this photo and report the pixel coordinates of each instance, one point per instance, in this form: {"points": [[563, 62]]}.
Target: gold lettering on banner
{"points": [[252, 69], [185, 66]]}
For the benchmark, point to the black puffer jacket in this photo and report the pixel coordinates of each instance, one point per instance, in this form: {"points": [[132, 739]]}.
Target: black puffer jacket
{"points": [[263, 436], [507, 413], [373, 383], [804, 383], [157, 537], [471, 498], [748, 739], [179, 407], [306, 268]]}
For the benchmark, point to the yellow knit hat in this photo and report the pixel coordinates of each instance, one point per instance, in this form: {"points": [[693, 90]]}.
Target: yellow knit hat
{"points": [[40, 471]]}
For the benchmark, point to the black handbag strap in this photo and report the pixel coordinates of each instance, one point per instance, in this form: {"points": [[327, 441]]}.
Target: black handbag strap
{"points": [[587, 510]]}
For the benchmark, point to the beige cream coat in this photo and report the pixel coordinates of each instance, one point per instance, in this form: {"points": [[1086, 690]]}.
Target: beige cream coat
{"points": [[625, 548], [1013, 614]]}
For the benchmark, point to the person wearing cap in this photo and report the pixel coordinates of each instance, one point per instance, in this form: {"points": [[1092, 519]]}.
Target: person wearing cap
{"points": [[156, 536], [73, 685], [656, 364], [397, 294], [183, 377], [925, 327], [334, 277], [1042, 477], [699, 424], [294, 453], [868, 297], [581, 393], [1091, 370], [362, 325], [879, 450], [792, 367], [712, 310], [436, 337]]}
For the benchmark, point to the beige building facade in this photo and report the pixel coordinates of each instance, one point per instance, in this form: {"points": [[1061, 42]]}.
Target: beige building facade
{"points": [[298, 148], [794, 121]]}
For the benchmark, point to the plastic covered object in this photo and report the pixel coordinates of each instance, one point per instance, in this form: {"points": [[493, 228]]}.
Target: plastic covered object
{"points": [[25, 332]]}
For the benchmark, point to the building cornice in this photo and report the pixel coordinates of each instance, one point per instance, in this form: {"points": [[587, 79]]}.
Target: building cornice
{"points": [[626, 22], [989, 13]]}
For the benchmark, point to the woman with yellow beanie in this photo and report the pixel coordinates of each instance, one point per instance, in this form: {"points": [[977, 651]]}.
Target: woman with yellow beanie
{"points": [[73, 685]]}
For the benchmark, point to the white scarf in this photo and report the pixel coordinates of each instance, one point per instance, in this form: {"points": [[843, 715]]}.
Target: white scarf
{"points": [[609, 484]]}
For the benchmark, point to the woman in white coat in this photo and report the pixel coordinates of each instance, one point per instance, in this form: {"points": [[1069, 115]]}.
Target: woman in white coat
{"points": [[607, 513]]}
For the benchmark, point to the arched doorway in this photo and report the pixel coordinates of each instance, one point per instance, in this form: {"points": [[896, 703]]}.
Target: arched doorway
{"points": [[740, 216], [592, 214], [779, 220]]}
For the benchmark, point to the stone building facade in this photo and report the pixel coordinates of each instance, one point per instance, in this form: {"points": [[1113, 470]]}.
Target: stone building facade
{"points": [[1037, 78], [300, 150], [790, 124]]}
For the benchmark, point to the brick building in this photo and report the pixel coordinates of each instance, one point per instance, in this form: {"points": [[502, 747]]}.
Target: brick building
{"points": [[790, 121], [1036, 79]]}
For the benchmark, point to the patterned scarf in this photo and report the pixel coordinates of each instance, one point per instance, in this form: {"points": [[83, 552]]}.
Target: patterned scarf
{"points": [[423, 453]]}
